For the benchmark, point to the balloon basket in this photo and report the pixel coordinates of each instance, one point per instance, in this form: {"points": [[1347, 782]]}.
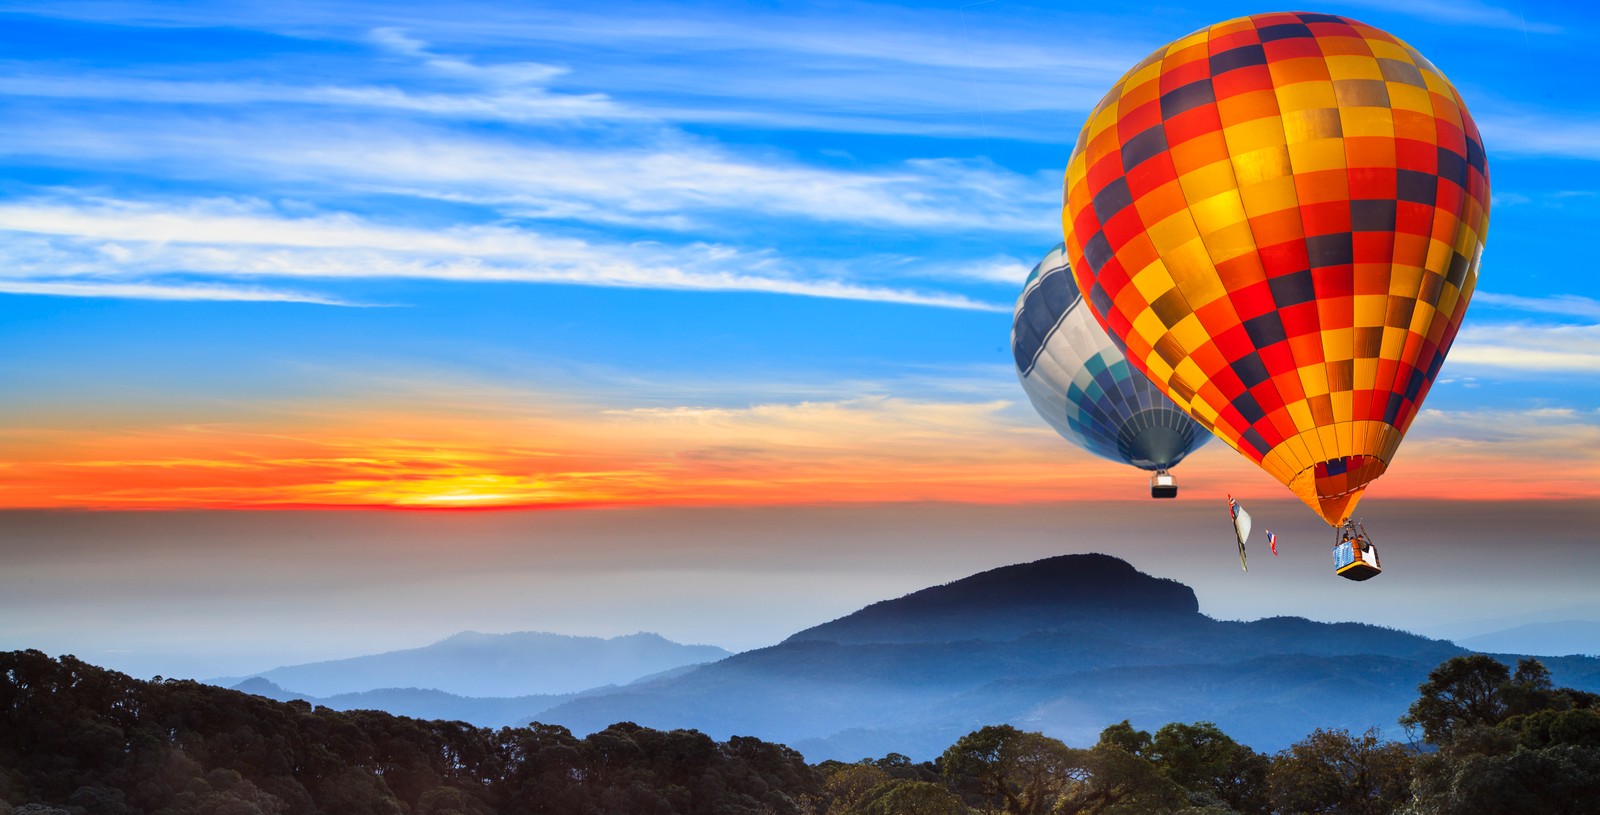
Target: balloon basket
{"points": [[1163, 485], [1354, 556]]}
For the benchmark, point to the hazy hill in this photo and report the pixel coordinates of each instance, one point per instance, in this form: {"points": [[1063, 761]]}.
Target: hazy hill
{"points": [[1462, 630], [1011, 601], [419, 703], [1066, 645], [1546, 639], [494, 665]]}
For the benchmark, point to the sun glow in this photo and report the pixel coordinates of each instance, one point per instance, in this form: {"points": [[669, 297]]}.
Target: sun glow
{"points": [[868, 449]]}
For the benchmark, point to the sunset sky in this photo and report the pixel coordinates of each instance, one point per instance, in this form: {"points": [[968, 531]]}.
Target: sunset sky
{"points": [[744, 260]]}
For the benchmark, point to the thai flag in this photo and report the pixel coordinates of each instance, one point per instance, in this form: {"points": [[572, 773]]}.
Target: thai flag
{"points": [[1233, 507], [1273, 541]]}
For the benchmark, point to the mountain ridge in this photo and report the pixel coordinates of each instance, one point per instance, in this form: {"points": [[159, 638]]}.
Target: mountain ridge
{"points": [[474, 664], [1013, 601], [418, 703], [1064, 645], [1552, 638]]}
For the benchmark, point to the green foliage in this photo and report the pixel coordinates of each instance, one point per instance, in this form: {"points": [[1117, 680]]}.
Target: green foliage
{"points": [[848, 785], [1123, 735], [100, 743], [1202, 759], [1331, 771], [1550, 728], [900, 766], [1003, 769], [1559, 780], [1541, 754], [79, 740], [1116, 782], [1462, 693], [906, 797]]}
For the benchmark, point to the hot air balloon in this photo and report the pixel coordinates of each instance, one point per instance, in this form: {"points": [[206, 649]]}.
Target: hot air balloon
{"points": [[1083, 386], [1280, 219]]}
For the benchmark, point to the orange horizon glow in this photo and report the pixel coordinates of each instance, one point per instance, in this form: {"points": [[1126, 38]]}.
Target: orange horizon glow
{"points": [[865, 450]]}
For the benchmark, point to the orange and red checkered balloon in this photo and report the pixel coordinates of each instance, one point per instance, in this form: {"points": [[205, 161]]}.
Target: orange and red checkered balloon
{"points": [[1281, 218]]}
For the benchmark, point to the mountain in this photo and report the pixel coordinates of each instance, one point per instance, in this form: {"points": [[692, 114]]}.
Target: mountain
{"points": [[1011, 601], [1461, 630], [1065, 645], [494, 665], [418, 703], [1545, 639]]}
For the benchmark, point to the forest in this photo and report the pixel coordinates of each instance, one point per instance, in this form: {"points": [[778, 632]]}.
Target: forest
{"points": [[75, 739]]}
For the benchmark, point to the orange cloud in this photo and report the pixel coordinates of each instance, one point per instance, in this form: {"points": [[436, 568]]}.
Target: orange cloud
{"points": [[504, 449]]}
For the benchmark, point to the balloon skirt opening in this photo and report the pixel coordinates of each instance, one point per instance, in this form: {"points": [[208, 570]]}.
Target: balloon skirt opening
{"points": [[1333, 488]]}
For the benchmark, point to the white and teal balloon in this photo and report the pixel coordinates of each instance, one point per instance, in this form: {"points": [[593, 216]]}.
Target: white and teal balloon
{"points": [[1082, 384]]}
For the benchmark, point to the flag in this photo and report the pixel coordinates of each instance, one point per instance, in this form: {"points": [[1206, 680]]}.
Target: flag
{"points": [[1241, 527], [1272, 540]]}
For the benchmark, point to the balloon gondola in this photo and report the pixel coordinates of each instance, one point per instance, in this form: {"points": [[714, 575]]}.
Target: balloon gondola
{"points": [[1354, 556]]}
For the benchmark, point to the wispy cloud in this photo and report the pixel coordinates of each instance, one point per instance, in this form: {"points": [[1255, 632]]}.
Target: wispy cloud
{"points": [[1531, 435], [511, 92], [447, 448], [927, 81], [1464, 12], [776, 65], [100, 244], [517, 104], [806, 423], [1528, 348], [1001, 269], [147, 291], [668, 184], [1537, 133], [513, 74], [1530, 453], [1565, 304], [365, 452]]}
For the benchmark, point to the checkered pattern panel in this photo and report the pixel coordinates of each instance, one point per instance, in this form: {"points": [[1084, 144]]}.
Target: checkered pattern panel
{"points": [[1280, 217], [1082, 385]]}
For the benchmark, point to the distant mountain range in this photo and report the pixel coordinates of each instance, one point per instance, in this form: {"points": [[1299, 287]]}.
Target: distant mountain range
{"points": [[422, 703], [1460, 630], [1546, 638], [419, 703], [1013, 601], [1065, 645], [494, 665]]}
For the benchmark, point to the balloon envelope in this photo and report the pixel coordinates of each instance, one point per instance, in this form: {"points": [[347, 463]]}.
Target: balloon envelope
{"points": [[1082, 384], [1280, 217]]}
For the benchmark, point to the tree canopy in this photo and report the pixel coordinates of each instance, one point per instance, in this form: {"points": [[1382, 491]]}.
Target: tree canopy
{"points": [[79, 740]]}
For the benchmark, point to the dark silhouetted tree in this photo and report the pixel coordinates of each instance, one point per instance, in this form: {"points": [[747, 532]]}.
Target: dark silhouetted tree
{"points": [[1559, 780], [1331, 771], [1463, 693], [847, 785], [1003, 769], [907, 797], [1111, 779], [1202, 759]]}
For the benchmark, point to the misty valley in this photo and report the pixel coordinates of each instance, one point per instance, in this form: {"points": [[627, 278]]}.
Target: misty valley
{"points": [[1074, 684]]}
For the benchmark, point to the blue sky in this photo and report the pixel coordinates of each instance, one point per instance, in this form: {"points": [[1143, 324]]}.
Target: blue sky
{"points": [[478, 187], [764, 249]]}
